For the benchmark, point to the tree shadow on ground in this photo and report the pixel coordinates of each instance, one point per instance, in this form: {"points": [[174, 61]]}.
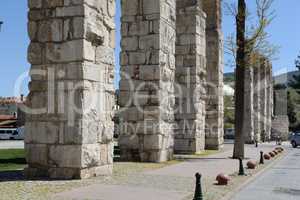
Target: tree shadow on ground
{"points": [[20, 161], [18, 175], [11, 169], [14, 175], [208, 159]]}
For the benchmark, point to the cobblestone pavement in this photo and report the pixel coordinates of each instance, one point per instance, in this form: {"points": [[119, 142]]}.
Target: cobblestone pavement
{"points": [[130, 181], [282, 182]]}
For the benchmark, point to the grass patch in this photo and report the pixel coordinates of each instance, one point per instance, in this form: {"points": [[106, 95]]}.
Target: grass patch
{"points": [[12, 159], [207, 153], [202, 154]]}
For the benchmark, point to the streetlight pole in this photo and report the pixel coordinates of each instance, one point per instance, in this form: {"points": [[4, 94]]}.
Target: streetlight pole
{"points": [[1, 22]]}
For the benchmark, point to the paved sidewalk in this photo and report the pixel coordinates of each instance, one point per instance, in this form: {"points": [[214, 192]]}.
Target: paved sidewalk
{"points": [[281, 182], [175, 182]]}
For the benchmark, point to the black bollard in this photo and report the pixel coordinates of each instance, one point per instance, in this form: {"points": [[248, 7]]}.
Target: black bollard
{"points": [[261, 158], [198, 191], [256, 144], [241, 170]]}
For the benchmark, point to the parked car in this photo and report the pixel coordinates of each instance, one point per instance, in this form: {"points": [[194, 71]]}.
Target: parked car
{"points": [[18, 134], [229, 133], [295, 139], [6, 134]]}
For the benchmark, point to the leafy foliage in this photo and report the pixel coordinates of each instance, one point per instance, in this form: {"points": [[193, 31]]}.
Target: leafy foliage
{"points": [[291, 109], [296, 82], [228, 112], [256, 35]]}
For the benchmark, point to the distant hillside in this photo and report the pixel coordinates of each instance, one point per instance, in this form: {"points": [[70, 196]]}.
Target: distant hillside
{"points": [[229, 77], [286, 77], [279, 79]]}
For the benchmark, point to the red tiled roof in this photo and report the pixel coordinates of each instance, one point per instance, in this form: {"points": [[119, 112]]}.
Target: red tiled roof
{"points": [[10, 100]]}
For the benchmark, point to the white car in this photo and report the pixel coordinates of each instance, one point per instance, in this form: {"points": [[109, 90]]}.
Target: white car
{"points": [[18, 134], [6, 134]]}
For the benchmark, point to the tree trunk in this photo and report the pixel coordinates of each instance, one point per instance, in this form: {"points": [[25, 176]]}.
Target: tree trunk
{"points": [[239, 151]]}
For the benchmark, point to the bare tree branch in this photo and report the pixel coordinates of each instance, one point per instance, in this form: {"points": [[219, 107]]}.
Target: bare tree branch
{"points": [[257, 38]]}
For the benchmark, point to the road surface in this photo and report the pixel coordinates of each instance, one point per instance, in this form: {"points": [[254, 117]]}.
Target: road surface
{"points": [[11, 144], [281, 182]]}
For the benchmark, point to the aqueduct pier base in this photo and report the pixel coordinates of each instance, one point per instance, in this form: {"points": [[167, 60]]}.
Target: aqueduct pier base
{"points": [[172, 56]]}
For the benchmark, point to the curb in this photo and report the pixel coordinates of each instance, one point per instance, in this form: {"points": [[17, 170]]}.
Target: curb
{"points": [[251, 179]]}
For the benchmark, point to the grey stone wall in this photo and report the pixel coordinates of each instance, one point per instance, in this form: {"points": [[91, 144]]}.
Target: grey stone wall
{"points": [[190, 77], [280, 101], [269, 73], [214, 55], [263, 95], [280, 127], [256, 101], [280, 122], [147, 80], [69, 129], [249, 106], [262, 98]]}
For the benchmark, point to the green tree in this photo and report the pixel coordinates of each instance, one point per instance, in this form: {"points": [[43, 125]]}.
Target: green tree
{"points": [[247, 42], [239, 150], [291, 109], [295, 84], [228, 112]]}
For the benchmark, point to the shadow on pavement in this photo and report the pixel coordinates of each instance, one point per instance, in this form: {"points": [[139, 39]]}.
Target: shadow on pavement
{"points": [[7, 176]]}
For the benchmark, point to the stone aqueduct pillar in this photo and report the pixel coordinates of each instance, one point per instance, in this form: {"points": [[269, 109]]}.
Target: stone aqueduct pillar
{"points": [[262, 98], [263, 95], [256, 101], [72, 58], [249, 108], [190, 77], [270, 105], [147, 79], [259, 100], [214, 56], [280, 122]]}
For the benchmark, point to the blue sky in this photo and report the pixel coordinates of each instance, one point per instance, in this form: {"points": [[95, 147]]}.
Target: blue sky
{"points": [[285, 31]]}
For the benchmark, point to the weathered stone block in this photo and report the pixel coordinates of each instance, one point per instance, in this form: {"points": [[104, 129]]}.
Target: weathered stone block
{"points": [[129, 44], [130, 7], [149, 42], [151, 7], [32, 30], [37, 154], [70, 11], [105, 55], [153, 142], [68, 51], [53, 3], [34, 3], [137, 58], [136, 28], [42, 133], [50, 31], [71, 135], [35, 53], [129, 142], [65, 156]]}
